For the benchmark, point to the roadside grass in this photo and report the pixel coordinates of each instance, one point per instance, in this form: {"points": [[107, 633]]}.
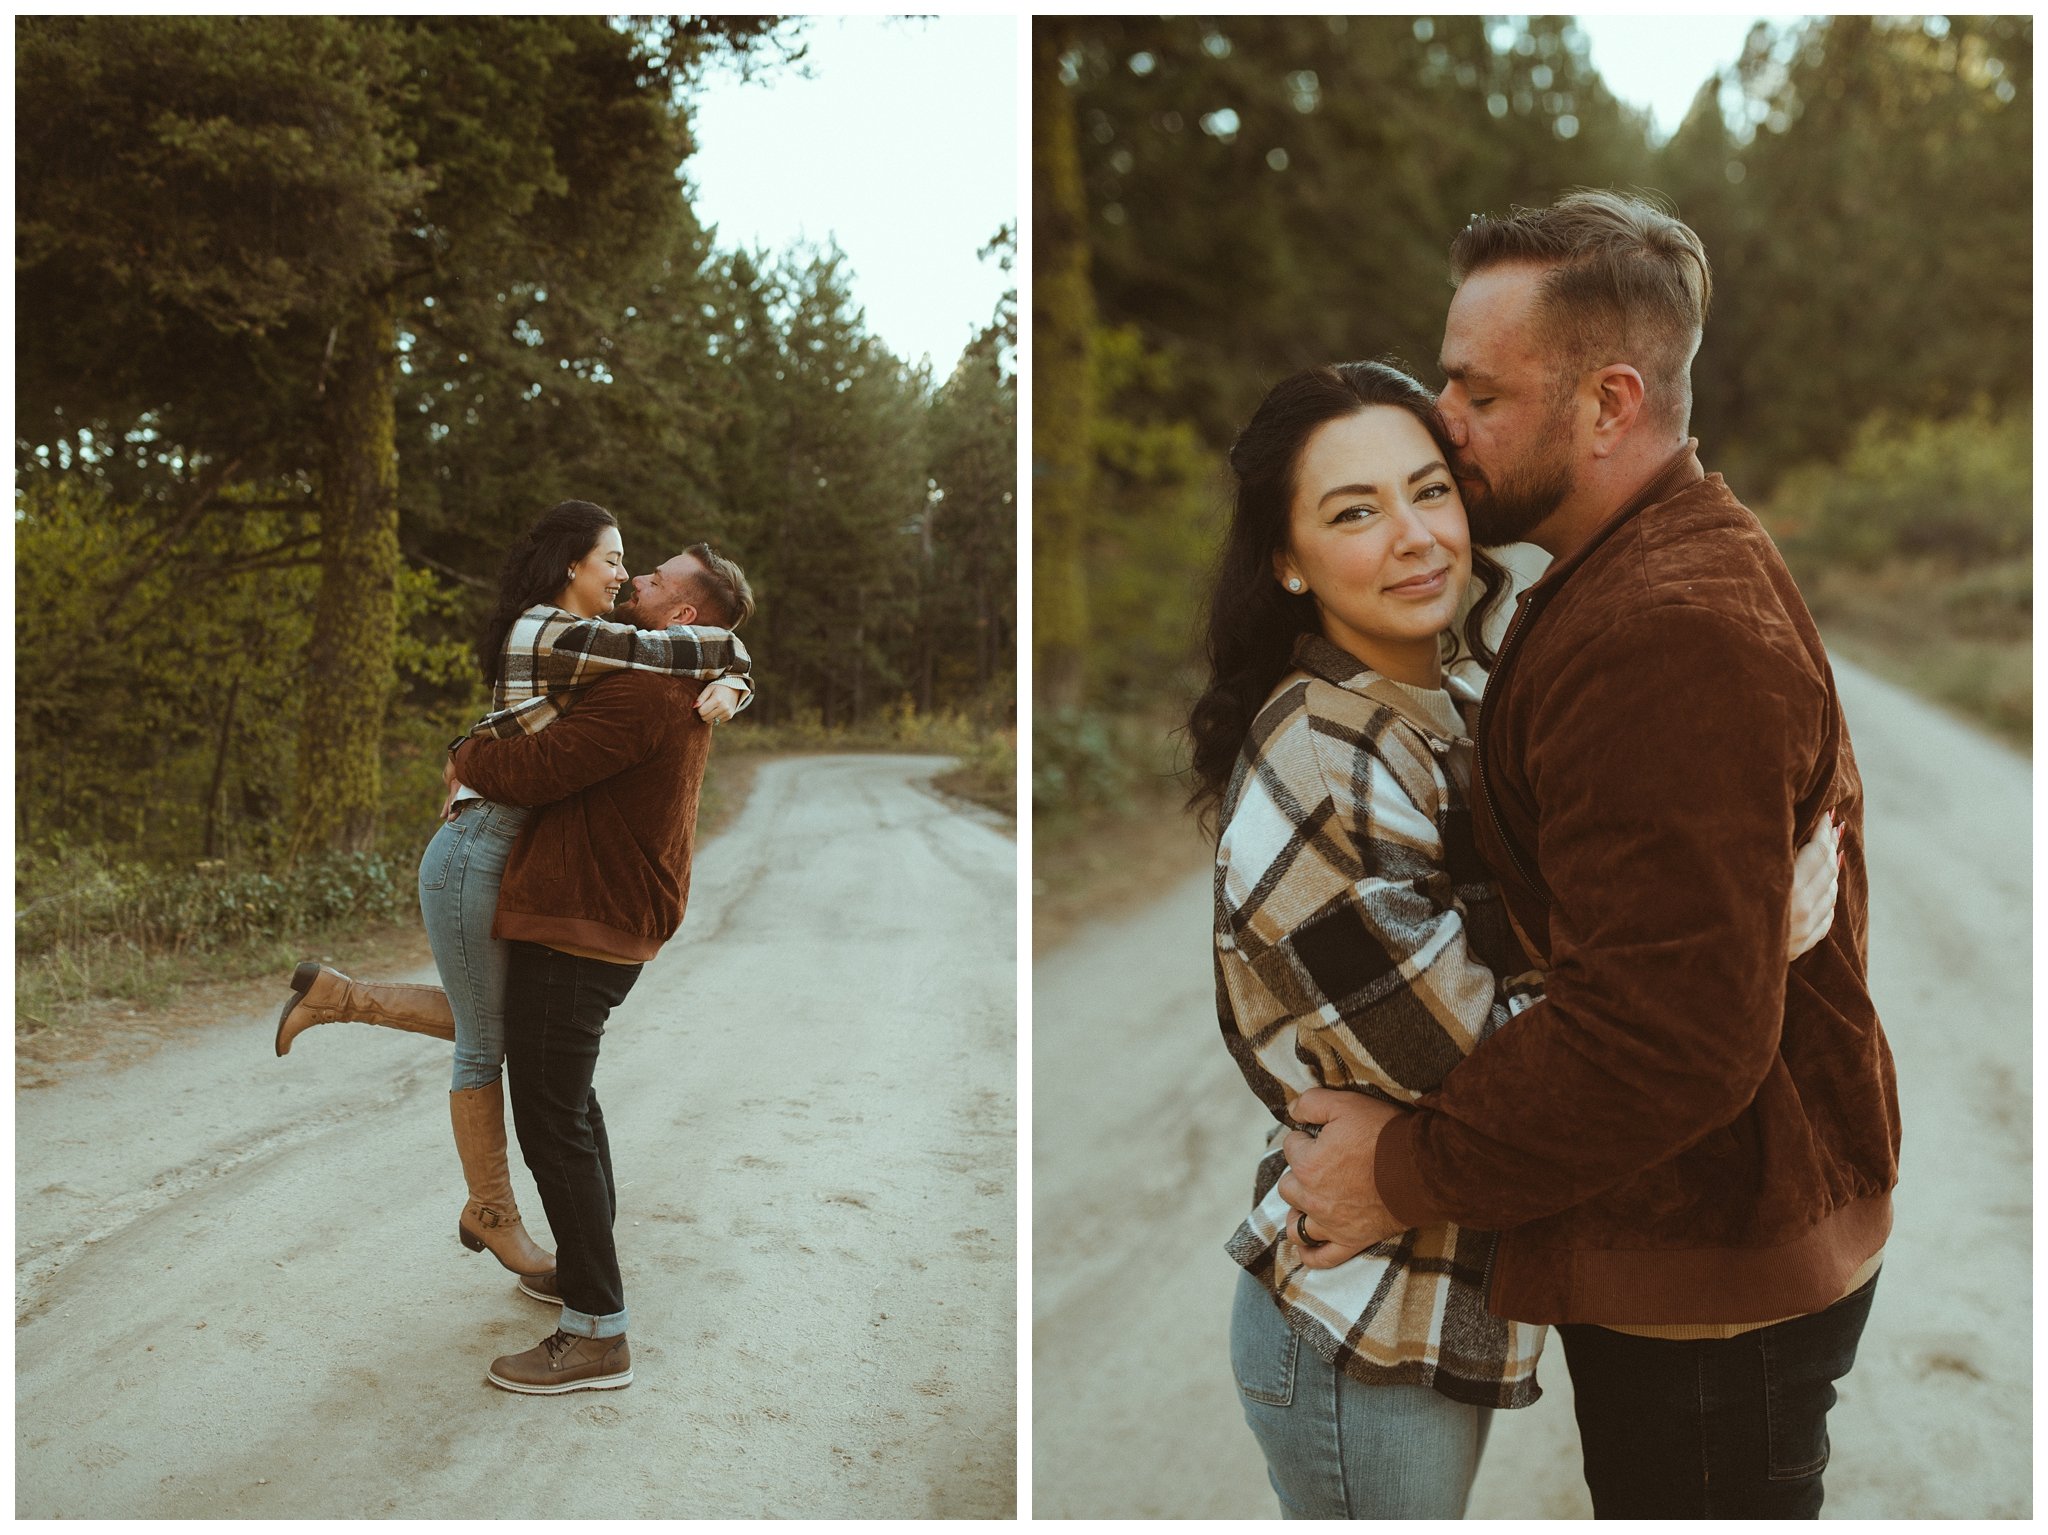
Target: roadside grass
{"points": [[987, 772], [1109, 831], [1961, 638]]}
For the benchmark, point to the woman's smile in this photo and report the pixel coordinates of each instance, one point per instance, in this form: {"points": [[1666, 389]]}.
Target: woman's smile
{"points": [[1428, 584]]}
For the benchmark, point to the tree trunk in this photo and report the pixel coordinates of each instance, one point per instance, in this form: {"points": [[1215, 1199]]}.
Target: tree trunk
{"points": [[350, 665], [860, 641], [1062, 316], [926, 601], [220, 765]]}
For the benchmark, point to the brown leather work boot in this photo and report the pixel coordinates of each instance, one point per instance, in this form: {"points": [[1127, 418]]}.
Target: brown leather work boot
{"points": [[491, 1218], [321, 995], [565, 1362], [541, 1287]]}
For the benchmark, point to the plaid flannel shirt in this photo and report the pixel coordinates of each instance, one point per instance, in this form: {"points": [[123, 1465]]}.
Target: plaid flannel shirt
{"points": [[550, 654], [1361, 944]]}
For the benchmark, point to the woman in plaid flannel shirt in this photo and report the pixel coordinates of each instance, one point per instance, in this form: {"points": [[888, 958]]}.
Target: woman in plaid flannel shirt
{"points": [[545, 640], [1359, 941]]}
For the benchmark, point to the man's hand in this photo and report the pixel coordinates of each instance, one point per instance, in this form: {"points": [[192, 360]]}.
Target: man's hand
{"points": [[1329, 1175], [716, 701], [452, 783]]}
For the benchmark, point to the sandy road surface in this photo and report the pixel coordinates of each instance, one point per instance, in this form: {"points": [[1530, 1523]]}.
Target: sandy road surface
{"points": [[239, 1293], [1145, 1140]]}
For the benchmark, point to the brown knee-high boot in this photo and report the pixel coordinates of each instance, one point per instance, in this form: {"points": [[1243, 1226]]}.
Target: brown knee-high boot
{"points": [[491, 1219], [321, 995]]}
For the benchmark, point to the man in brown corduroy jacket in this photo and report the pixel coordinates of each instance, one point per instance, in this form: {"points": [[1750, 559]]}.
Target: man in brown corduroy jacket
{"points": [[597, 883], [1689, 1148]]}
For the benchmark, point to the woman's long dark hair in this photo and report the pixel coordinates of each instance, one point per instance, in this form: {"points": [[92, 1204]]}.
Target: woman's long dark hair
{"points": [[536, 568], [1253, 620]]}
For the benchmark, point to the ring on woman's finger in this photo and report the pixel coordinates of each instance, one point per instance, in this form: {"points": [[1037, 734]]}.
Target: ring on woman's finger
{"points": [[1301, 1236]]}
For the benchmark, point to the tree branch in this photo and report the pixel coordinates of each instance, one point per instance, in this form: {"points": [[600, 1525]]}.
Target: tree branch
{"points": [[449, 571]]}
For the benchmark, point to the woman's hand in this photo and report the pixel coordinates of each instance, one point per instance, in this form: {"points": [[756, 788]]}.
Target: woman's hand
{"points": [[715, 702], [449, 781], [1816, 870]]}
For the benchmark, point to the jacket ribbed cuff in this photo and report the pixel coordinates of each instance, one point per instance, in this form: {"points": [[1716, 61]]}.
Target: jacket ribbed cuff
{"points": [[1398, 1179]]}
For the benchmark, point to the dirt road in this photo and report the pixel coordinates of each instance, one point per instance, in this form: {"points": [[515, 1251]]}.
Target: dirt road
{"points": [[1145, 1140], [239, 1292]]}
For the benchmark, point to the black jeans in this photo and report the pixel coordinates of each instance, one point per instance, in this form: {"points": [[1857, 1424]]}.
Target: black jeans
{"points": [[1717, 1428], [555, 1008]]}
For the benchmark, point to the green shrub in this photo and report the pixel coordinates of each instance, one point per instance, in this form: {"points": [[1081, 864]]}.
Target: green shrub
{"points": [[1959, 490], [1995, 602], [74, 899], [1083, 760]]}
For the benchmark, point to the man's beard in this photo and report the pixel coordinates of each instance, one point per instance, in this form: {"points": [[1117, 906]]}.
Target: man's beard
{"points": [[627, 611], [1505, 510]]}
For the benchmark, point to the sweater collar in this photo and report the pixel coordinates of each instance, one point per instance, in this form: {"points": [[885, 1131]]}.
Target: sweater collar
{"points": [[1436, 714]]}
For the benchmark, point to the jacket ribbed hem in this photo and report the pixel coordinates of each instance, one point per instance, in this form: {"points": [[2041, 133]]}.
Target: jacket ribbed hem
{"points": [[577, 933], [1694, 1284]]}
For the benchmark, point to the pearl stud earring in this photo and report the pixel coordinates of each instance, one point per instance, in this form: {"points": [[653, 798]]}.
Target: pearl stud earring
{"points": [[1294, 583]]}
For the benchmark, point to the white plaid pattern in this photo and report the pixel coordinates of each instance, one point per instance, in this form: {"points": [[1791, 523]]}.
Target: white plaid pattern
{"points": [[1360, 944], [550, 654]]}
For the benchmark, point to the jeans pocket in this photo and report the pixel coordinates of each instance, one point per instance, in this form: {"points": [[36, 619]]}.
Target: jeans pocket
{"points": [[442, 850], [1802, 1361], [1262, 1346]]}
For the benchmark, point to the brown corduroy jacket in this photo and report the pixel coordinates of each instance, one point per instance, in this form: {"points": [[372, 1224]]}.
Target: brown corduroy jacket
{"points": [[1684, 1130], [605, 865]]}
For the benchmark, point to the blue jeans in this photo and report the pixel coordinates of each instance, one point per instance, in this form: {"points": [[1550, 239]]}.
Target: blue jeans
{"points": [[554, 1026], [460, 873], [1337, 1448], [1719, 1428]]}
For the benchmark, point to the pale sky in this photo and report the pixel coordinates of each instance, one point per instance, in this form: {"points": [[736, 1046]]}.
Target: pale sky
{"points": [[902, 146], [1661, 61]]}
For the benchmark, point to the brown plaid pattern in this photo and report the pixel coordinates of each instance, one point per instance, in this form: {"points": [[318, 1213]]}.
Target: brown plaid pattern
{"points": [[1361, 944], [550, 654]]}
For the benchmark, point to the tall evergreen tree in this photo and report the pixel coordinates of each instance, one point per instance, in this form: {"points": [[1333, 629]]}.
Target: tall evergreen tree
{"points": [[241, 217]]}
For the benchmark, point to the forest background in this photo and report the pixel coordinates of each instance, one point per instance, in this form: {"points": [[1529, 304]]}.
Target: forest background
{"points": [[314, 316], [1221, 201]]}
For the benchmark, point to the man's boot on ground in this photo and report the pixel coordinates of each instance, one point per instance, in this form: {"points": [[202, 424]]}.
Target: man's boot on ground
{"points": [[542, 1287], [322, 995], [565, 1362], [491, 1219]]}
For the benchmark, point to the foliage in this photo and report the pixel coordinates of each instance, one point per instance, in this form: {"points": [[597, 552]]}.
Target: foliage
{"points": [[1063, 409], [1960, 490], [1267, 192], [1870, 220], [1157, 514], [1262, 193], [1083, 760], [241, 231], [70, 896], [214, 211]]}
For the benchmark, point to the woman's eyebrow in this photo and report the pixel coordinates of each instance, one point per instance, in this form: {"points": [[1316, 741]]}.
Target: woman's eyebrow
{"points": [[1432, 467], [1349, 490]]}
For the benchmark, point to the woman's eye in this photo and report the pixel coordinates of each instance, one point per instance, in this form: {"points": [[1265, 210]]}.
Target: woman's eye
{"points": [[1435, 491], [1354, 513]]}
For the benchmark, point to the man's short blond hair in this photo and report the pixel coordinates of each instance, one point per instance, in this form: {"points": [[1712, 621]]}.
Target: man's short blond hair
{"points": [[720, 589], [1626, 281]]}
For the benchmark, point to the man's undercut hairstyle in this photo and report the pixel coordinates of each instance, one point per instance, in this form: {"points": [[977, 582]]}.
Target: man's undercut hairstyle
{"points": [[1627, 281], [720, 590]]}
